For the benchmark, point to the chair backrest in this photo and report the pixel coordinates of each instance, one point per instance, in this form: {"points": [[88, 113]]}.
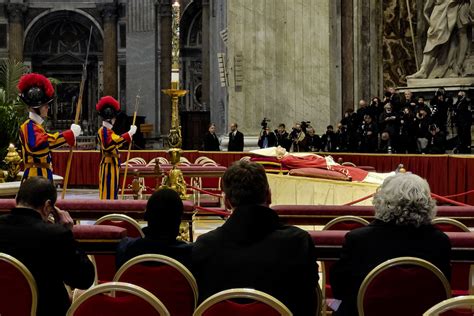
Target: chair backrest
{"points": [[166, 278], [120, 220], [18, 291], [223, 303], [102, 300], [105, 263], [460, 271], [346, 222], [402, 286], [447, 224], [461, 305]]}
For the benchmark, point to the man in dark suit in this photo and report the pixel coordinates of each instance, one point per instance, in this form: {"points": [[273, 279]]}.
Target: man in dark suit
{"points": [[48, 250], [210, 141], [236, 139], [253, 249], [403, 211], [163, 213]]}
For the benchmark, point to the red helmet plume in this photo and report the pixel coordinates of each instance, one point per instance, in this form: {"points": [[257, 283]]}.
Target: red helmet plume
{"points": [[107, 101], [35, 89]]}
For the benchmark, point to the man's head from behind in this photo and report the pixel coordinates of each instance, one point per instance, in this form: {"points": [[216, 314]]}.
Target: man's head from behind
{"points": [[37, 193], [245, 183], [163, 213]]}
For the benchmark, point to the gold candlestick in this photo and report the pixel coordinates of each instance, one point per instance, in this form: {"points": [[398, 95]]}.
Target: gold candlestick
{"points": [[174, 179]]}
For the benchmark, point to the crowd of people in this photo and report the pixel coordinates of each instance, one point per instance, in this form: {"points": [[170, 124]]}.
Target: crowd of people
{"points": [[394, 124]]}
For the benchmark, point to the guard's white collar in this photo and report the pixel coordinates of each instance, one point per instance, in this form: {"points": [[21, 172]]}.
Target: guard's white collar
{"points": [[107, 124], [36, 118]]}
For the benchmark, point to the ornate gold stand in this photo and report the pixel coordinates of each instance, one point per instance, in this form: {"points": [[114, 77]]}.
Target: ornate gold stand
{"points": [[13, 161], [174, 179]]}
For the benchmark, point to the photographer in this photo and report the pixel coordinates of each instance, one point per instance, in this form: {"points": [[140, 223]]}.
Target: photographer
{"points": [[298, 137], [313, 141], [407, 136], [329, 140], [422, 122], [368, 135], [267, 138], [282, 137], [463, 120], [436, 141], [439, 109]]}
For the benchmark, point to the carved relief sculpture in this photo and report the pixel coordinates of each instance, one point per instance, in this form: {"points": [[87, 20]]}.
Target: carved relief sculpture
{"points": [[447, 43]]}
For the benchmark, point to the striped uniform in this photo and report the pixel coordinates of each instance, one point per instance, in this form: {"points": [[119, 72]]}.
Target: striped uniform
{"points": [[110, 163], [36, 146]]}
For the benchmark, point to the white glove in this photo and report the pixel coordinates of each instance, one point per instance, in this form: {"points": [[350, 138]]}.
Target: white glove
{"points": [[133, 130], [76, 130]]}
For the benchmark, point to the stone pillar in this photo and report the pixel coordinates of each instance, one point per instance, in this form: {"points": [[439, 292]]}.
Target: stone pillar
{"points": [[16, 12], [109, 16], [347, 54], [205, 55], [165, 14]]}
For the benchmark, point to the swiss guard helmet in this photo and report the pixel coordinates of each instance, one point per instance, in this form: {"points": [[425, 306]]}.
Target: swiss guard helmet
{"points": [[108, 107], [35, 90]]}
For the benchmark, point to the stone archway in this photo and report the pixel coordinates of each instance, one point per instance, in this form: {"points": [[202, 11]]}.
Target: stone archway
{"points": [[56, 46]]}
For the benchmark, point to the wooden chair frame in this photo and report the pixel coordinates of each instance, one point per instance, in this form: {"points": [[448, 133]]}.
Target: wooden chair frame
{"points": [[450, 221], [252, 294], [397, 262], [120, 217], [165, 260], [112, 287], [451, 303], [28, 276]]}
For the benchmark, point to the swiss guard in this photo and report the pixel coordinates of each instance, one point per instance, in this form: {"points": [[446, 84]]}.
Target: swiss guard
{"points": [[109, 143], [37, 92]]}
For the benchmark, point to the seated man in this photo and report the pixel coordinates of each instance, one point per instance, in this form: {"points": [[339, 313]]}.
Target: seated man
{"points": [[47, 250], [163, 213], [253, 249], [402, 227]]}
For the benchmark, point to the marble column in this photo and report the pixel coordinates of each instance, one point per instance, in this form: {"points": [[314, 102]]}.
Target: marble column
{"points": [[16, 13], [165, 14], [109, 16], [347, 54], [205, 54]]}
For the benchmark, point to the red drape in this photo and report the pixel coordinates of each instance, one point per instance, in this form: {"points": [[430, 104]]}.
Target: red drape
{"points": [[446, 174]]}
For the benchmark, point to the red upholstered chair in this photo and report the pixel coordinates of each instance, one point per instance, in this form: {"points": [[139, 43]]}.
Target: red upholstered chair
{"points": [[456, 306], [18, 291], [102, 300], [105, 263], [166, 278], [223, 303], [402, 286], [347, 222], [461, 272]]}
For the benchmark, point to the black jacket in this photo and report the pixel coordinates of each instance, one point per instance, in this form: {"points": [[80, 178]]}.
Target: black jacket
{"points": [[129, 248], [49, 252], [253, 250], [236, 143], [365, 248], [210, 142]]}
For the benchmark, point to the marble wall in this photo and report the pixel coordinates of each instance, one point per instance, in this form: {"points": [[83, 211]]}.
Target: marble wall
{"points": [[281, 63], [398, 51]]}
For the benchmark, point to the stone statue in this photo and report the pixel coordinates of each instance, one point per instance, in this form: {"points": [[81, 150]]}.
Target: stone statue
{"points": [[447, 42]]}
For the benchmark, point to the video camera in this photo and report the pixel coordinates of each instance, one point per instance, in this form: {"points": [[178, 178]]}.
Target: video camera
{"points": [[264, 123]]}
